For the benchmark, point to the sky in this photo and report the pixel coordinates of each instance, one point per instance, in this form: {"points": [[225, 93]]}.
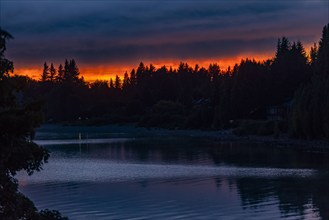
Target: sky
{"points": [[109, 37]]}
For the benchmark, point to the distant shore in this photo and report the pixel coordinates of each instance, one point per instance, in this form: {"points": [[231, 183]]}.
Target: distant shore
{"points": [[282, 141], [132, 131]]}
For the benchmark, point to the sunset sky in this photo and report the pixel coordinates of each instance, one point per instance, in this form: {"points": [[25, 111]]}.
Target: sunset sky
{"points": [[110, 37]]}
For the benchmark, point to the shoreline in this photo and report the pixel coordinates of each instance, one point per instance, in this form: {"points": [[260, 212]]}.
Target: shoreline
{"points": [[130, 130], [283, 142]]}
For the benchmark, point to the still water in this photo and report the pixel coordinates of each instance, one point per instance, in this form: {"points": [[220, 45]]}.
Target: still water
{"points": [[136, 175]]}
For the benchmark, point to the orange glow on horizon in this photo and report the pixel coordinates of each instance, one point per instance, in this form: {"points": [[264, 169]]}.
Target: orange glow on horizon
{"points": [[106, 72]]}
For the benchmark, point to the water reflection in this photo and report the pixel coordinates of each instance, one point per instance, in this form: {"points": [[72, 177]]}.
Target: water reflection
{"points": [[193, 151], [161, 178]]}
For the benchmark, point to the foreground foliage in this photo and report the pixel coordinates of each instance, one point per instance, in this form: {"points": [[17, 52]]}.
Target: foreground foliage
{"points": [[17, 152]]}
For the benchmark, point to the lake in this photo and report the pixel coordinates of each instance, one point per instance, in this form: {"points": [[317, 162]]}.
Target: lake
{"points": [[120, 172]]}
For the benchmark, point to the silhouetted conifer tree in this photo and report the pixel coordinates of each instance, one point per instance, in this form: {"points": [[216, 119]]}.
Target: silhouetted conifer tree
{"points": [[45, 73], [126, 81], [133, 79], [60, 75], [52, 73], [111, 84], [214, 71], [67, 75], [117, 82], [140, 73], [151, 68], [71, 72], [6, 66], [323, 52], [74, 71], [310, 112], [289, 70]]}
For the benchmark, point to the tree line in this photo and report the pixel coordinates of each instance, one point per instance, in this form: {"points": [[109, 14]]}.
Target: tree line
{"points": [[194, 96]]}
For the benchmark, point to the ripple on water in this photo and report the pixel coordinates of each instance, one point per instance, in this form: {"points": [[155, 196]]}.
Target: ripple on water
{"points": [[181, 198], [77, 169]]}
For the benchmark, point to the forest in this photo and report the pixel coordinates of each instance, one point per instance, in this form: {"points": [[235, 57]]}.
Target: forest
{"points": [[285, 94]]}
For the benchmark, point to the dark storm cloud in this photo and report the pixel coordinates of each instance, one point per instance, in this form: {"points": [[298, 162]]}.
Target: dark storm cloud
{"points": [[122, 31]]}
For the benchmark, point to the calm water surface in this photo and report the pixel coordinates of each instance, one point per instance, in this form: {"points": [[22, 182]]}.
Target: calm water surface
{"points": [[118, 175]]}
